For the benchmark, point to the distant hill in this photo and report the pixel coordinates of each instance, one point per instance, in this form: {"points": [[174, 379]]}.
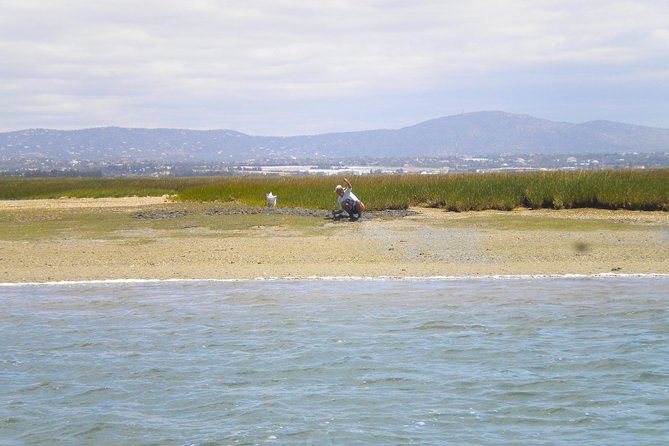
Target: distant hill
{"points": [[479, 133]]}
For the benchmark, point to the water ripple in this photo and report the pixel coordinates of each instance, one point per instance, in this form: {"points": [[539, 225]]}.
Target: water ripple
{"points": [[527, 361]]}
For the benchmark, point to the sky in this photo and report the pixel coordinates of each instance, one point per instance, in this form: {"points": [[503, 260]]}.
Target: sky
{"points": [[296, 67]]}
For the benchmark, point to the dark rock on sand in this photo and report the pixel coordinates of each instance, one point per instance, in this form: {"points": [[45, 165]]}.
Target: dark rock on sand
{"points": [[389, 213], [327, 215], [156, 215]]}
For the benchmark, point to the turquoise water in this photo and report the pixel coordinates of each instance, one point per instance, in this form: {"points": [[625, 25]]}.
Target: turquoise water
{"points": [[544, 361]]}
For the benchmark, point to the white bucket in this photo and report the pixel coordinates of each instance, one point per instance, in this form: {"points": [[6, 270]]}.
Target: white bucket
{"points": [[270, 200]]}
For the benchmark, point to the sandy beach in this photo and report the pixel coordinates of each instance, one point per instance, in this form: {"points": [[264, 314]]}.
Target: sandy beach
{"points": [[40, 243]]}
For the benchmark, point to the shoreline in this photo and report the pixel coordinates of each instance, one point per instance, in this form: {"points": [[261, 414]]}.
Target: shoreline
{"points": [[91, 240], [612, 276]]}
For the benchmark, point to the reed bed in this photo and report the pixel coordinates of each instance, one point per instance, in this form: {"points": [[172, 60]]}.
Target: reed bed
{"points": [[609, 189]]}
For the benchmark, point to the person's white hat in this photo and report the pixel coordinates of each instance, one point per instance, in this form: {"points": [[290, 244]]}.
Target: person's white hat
{"points": [[339, 186]]}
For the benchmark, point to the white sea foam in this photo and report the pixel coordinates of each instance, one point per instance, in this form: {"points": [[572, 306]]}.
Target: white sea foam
{"points": [[345, 279]]}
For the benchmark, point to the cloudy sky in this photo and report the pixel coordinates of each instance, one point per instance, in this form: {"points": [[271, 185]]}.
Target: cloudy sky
{"points": [[289, 67]]}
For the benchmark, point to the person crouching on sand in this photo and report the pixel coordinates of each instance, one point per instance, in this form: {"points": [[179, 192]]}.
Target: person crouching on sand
{"points": [[348, 201]]}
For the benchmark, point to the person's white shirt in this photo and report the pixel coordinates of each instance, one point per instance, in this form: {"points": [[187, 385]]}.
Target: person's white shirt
{"points": [[348, 195]]}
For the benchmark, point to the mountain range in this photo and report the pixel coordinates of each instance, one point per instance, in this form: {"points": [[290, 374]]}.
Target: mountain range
{"points": [[478, 133]]}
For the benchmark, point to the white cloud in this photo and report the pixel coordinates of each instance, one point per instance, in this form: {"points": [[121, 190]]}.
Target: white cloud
{"points": [[140, 62]]}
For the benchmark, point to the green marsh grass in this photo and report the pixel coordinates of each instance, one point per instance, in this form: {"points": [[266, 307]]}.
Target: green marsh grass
{"points": [[608, 189]]}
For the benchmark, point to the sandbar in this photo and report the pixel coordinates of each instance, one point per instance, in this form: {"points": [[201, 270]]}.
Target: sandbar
{"points": [[37, 245]]}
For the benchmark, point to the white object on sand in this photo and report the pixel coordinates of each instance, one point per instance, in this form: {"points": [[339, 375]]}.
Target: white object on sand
{"points": [[270, 200]]}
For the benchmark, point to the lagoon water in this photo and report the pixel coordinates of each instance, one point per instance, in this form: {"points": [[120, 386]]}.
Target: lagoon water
{"points": [[541, 361]]}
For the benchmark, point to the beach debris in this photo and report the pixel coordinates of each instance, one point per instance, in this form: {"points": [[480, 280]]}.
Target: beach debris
{"points": [[244, 210], [157, 215], [326, 215], [266, 210]]}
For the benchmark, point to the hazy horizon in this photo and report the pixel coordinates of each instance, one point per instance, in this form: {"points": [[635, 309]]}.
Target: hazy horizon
{"points": [[296, 135]]}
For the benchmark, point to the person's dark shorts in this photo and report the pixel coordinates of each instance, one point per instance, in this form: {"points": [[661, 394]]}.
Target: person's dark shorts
{"points": [[353, 205]]}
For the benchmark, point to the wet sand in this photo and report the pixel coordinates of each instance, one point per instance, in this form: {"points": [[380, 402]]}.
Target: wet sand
{"points": [[432, 242]]}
